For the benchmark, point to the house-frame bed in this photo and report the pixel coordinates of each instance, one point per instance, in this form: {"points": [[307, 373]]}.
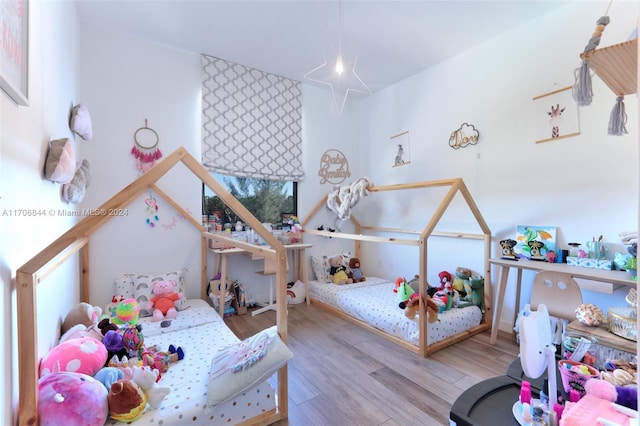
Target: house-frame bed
{"points": [[76, 242], [420, 239]]}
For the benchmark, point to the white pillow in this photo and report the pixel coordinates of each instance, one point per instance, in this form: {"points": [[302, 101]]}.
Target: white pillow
{"points": [[321, 267], [142, 288], [239, 367], [81, 122], [124, 286]]}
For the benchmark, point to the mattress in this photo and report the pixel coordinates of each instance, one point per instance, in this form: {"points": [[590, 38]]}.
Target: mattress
{"points": [[200, 331], [374, 302]]}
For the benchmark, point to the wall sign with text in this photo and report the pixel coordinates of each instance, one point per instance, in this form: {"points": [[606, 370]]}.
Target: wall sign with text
{"points": [[464, 136], [334, 167]]}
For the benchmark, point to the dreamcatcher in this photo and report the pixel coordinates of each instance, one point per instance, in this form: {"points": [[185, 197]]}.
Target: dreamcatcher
{"points": [[146, 152], [145, 148]]}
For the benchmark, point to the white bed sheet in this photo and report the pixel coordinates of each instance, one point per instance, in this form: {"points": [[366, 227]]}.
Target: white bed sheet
{"points": [[200, 331], [374, 302]]}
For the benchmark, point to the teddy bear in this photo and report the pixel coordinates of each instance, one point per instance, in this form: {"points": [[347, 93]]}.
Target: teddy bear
{"points": [[355, 272], [338, 272], [411, 306], [163, 300]]}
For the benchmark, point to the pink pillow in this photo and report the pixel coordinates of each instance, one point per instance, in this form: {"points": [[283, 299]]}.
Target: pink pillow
{"points": [[84, 355]]}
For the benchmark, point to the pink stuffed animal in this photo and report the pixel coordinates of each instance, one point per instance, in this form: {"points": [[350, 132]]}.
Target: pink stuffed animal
{"points": [[163, 300]]}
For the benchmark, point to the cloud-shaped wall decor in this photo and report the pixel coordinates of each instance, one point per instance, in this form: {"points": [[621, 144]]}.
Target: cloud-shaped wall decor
{"points": [[464, 136]]}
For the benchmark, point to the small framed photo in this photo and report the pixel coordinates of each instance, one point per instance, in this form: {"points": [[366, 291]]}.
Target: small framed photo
{"points": [[400, 149], [556, 115]]}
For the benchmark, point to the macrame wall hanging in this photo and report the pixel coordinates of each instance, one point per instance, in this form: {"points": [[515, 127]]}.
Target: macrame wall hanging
{"points": [[342, 198], [610, 64], [146, 152]]}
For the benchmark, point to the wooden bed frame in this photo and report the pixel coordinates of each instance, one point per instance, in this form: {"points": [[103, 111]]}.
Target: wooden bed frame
{"points": [[76, 241], [420, 239]]}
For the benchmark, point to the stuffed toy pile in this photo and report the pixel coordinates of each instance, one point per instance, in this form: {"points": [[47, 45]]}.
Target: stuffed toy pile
{"points": [[101, 369]]}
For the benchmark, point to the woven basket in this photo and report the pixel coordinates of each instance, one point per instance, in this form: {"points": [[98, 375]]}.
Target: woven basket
{"points": [[622, 322]]}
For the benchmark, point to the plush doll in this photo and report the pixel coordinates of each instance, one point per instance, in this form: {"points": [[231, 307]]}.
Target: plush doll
{"points": [[338, 272], [356, 273], [126, 311], [461, 275], [84, 314], [127, 401], [146, 378], [403, 290], [71, 398], [163, 300], [412, 305], [81, 355], [622, 395]]}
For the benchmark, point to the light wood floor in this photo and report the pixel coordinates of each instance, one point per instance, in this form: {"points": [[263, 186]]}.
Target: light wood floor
{"points": [[342, 374]]}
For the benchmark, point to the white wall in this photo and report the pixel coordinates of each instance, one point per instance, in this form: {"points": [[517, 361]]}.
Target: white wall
{"points": [[513, 180], [584, 185], [125, 81], [24, 135]]}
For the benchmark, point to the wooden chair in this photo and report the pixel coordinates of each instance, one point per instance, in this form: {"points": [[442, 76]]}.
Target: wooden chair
{"points": [[558, 291]]}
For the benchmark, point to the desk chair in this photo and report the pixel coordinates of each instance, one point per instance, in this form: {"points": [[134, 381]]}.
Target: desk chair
{"points": [[561, 294], [558, 291], [270, 266]]}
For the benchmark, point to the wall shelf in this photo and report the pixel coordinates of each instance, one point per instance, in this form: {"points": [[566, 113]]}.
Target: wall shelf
{"points": [[617, 66]]}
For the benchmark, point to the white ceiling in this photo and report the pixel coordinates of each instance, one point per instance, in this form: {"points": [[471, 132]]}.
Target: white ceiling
{"points": [[393, 39]]}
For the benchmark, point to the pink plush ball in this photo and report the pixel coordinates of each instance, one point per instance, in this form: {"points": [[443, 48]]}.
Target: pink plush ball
{"points": [[74, 399]]}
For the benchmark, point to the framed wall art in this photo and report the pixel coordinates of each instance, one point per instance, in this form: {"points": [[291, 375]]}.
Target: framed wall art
{"points": [[400, 149], [546, 235], [14, 50], [556, 115]]}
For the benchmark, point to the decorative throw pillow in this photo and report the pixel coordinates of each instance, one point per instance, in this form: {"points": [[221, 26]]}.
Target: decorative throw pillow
{"points": [[142, 288], [80, 122], [239, 367], [321, 267], [60, 165], [123, 286]]}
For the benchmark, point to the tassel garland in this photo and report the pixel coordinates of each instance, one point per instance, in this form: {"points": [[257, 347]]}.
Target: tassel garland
{"points": [[582, 92], [146, 156], [618, 118]]}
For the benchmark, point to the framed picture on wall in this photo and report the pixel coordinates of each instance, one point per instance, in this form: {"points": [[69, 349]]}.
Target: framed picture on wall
{"points": [[14, 50], [556, 115], [400, 149]]}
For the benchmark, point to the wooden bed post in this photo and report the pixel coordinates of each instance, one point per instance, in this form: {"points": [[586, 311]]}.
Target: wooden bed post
{"points": [[27, 348]]}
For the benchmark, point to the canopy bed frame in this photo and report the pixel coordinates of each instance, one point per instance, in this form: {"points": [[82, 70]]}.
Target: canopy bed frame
{"points": [[75, 242], [419, 239]]}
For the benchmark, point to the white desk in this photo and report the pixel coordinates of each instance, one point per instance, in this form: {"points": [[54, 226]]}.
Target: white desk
{"points": [[298, 266], [602, 275]]}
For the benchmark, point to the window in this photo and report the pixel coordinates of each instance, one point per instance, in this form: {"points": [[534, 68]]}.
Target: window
{"points": [[266, 199]]}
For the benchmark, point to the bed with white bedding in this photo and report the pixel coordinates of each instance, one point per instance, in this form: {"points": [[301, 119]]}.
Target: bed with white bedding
{"points": [[374, 303], [201, 332]]}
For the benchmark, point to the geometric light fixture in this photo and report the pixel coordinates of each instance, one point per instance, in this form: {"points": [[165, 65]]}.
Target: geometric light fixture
{"points": [[339, 72]]}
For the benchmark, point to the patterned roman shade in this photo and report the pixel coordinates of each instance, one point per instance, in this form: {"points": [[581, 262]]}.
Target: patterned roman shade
{"points": [[251, 122]]}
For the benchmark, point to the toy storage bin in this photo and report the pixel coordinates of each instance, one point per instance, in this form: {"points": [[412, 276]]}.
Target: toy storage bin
{"points": [[574, 380]]}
